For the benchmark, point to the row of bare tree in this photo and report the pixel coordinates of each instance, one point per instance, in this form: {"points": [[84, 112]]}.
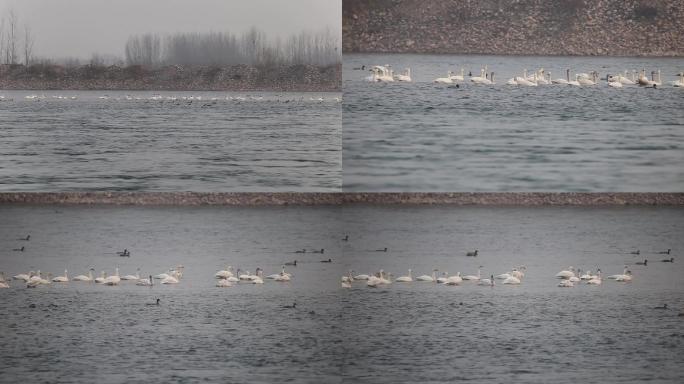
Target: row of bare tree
{"points": [[16, 40], [223, 48]]}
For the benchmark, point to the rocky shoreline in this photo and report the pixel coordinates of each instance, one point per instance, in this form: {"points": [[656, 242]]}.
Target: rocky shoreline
{"points": [[295, 78], [532, 199], [520, 27]]}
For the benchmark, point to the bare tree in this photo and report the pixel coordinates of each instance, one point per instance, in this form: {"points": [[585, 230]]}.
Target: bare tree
{"points": [[28, 45], [11, 38]]}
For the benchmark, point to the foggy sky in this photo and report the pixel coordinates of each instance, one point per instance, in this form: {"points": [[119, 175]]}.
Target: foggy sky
{"points": [[78, 28]]}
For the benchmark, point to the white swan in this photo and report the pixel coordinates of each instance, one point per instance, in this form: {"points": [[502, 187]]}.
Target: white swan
{"points": [[458, 78], [346, 284], [404, 76], [614, 84], [405, 279], [596, 280], [132, 277], [4, 284], [114, 279], [454, 280], [566, 284], [679, 83], [431, 279], [525, 81], [349, 278], [444, 80], [362, 277], [562, 81], [511, 280], [62, 279], [101, 279], [223, 283], [625, 276], [145, 282], [225, 273], [489, 281], [587, 276], [84, 277], [583, 79], [473, 277], [23, 276], [566, 274]]}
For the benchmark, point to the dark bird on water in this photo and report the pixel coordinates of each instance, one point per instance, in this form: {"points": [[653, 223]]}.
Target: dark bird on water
{"points": [[125, 253], [472, 254], [302, 251], [381, 250], [294, 263], [19, 249], [663, 307], [321, 251], [27, 238], [660, 253], [326, 261], [637, 252], [668, 261], [294, 305], [346, 238], [645, 262], [157, 303]]}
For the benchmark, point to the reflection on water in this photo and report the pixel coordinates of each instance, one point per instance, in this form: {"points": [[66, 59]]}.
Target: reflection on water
{"points": [[422, 136], [169, 141]]}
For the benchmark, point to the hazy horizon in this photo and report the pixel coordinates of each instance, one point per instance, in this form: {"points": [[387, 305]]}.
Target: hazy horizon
{"points": [[79, 28]]}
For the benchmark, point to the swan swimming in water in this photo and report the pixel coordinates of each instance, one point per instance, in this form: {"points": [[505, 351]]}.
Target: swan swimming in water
{"points": [[84, 277], [132, 277], [114, 279], [427, 277], [62, 279], [405, 279]]}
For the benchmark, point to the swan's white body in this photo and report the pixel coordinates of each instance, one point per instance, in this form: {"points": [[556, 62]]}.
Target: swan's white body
{"points": [[454, 280], [431, 279], [144, 282], [346, 284], [223, 283], [511, 280], [132, 277], [473, 277], [362, 277], [4, 284], [457, 78], [62, 279], [113, 280], [596, 280], [84, 277], [566, 274], [23, 276], [502, 276], [405, 279], [170, 280], [404, 76], [566, 284], [488, 282], [101, 279], [381, 74], [444, 80], [225, 273]]}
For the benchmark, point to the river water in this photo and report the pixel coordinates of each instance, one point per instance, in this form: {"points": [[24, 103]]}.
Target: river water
{"points": [[415, 332], [169, 141], [422, 136]]}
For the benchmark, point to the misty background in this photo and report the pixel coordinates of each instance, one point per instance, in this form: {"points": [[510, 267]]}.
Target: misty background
{"points": [[201, 32]]}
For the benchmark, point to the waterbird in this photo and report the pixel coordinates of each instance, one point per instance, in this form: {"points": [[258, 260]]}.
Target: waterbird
{"points": [[156, 303], [61, 279], [637, 252], [28, 237], [326, 261], [663, 307], [317, 251], [19, 249], [660, 253], [293, 263], [472, 254], [293, 306], [145, 282], [645, 262], [345, 238], [381, 250], [432, 278], [302, 251], [405, 279], [668, 261], [84, 277]]}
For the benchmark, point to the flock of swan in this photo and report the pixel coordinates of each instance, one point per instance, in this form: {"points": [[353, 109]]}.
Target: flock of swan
{"points": [[36, 279], [385, 74], [381, 278], [157, 97]]}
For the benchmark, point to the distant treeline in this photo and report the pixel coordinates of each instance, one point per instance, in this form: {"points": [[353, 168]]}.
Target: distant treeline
{"points": [[223, 48]]}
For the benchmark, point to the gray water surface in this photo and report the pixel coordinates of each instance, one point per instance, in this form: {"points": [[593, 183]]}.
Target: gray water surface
{"points": [[422, 136], [416, 332], [169, 141]]}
